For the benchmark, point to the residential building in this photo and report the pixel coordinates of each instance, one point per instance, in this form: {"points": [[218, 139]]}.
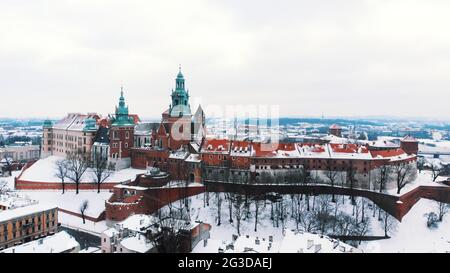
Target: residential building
{"points": [[28, 223]]}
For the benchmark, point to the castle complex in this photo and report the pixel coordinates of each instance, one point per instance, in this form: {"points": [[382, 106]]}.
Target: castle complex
{"points": [[178, 146]]}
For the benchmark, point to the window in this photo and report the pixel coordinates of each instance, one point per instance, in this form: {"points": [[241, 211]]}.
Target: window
{"points": [[127, 135], [126, 145]]}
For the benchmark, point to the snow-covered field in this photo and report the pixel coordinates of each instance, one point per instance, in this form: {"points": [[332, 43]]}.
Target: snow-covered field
{"points": [[71, 201], [44, 170], [412, 233]]}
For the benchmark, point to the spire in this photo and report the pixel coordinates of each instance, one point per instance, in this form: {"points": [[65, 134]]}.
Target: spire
{"points": [[121, 116], [179, 81], [180, 97]]}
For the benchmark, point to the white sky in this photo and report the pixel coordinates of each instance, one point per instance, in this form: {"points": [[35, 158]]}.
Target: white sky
{"points": [[340, 58]]}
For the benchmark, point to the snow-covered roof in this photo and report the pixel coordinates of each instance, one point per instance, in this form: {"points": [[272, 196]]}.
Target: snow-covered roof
{"points": [[179, 154], [58, 243], [409, 138], [241, 148], [303, 242], [122, 186], [275, 150], [24, 211], [291, 242], [74, 121], [136, 222], [194, 158], [13, 200], [137, 243], [313, 151], [110, 232], [383, 144], [216, 146]]}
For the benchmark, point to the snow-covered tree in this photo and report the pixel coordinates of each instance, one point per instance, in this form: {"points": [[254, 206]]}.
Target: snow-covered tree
{"points": [[84, 206], [437, 169]]}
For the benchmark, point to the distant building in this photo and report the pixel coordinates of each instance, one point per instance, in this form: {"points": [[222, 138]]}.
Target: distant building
{"points": [[21, 153], [410, 145], [28, 223], [61, 242], [335, 130]]}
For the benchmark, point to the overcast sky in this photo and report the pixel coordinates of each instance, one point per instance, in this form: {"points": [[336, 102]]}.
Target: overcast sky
{"points": [[339, 58]]}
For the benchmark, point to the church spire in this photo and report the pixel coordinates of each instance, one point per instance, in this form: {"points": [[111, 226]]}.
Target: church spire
{"points": [[122, 117], [180, 97]]}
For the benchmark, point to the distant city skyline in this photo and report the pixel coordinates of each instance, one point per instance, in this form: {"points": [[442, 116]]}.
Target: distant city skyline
{"points": [[337, 58]]}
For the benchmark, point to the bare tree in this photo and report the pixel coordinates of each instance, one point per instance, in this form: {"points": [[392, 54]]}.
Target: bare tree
{"points": [[389, 224], [382, 176], [238, 211], [256, 202], [332, 175], [84, 206], [101, 169], [229, 197], [8, 163], [77, 164], [219, 207], [172, 227], [443, 209], [4, 187], [351, 173], [437, 169], [322, 214], [403, 173], [420, 164], [61, 172]]}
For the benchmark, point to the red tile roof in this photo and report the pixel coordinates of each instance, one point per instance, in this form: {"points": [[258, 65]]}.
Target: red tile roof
{"points": [[387, 153], [270, 148], [348, 148], [216, 146]]}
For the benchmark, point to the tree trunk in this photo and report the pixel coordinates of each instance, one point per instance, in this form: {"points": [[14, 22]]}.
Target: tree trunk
{"points": [[256, 216]]}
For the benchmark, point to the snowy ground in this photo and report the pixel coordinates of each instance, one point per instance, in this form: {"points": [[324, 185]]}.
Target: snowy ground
{"points": [[71, 201], [44, 170], [424, 178], [266, 227], [412, 234], [76, 223]]}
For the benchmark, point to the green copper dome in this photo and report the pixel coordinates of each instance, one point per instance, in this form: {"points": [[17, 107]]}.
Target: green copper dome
{"points": [[122, 117], [47, 124], [90, 124], [180, 98]]}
